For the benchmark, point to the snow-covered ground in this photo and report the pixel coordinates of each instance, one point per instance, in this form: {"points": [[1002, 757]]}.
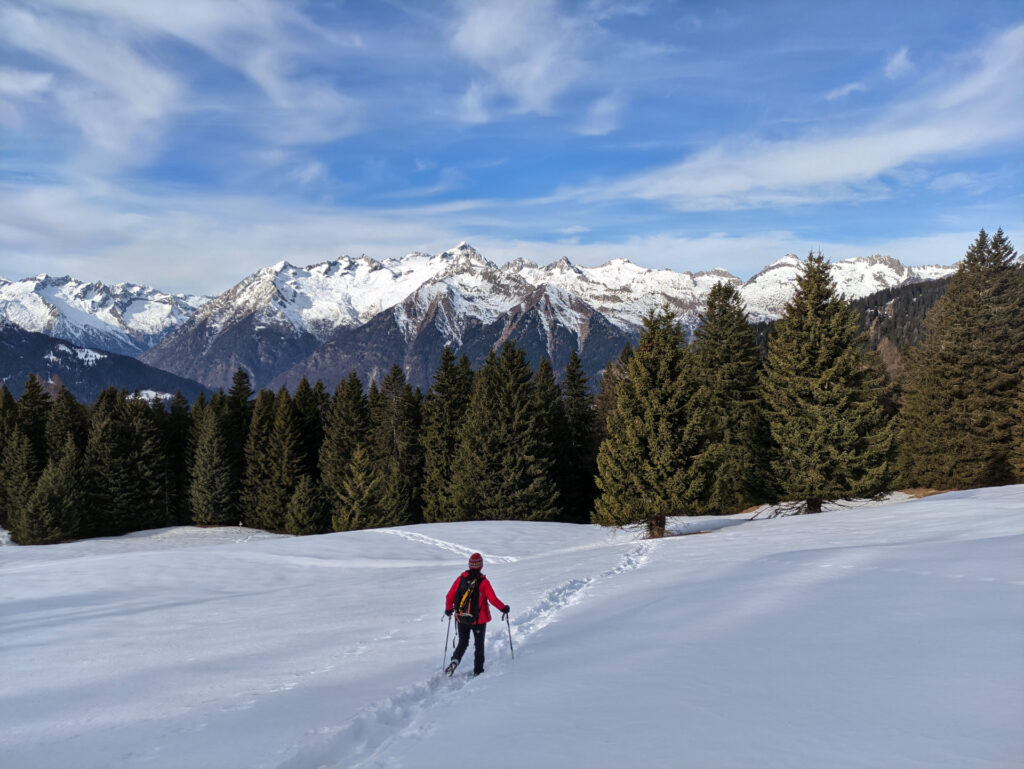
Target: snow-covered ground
{"points": [[888, 636]]}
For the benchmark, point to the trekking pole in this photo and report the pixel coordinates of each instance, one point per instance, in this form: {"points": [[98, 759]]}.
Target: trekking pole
{"points": [[444, 655], [509, 626]]}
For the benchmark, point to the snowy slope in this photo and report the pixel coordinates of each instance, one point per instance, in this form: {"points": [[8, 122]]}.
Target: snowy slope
{"points": [[124, 318], [885, 636]]}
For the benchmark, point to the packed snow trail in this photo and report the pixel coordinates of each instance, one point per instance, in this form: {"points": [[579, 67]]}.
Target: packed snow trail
{"points": [[407, 714], [881, 636]]}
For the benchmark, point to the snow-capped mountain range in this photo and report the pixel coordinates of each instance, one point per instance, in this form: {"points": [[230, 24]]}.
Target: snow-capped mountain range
{"points": [[126, 319], [284, 321]]}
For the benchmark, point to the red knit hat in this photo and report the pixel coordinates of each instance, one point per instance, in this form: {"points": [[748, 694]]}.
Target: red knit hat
{"points": [[476, 561]]}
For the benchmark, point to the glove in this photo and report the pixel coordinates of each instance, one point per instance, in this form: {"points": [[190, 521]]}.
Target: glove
{"points": [[448, 613], [505, 611]]}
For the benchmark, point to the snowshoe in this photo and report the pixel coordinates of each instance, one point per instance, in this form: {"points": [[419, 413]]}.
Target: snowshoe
{"points": [[451, 667]]}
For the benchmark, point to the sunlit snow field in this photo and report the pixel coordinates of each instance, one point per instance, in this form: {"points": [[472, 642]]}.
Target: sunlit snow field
{"points": [[884, 636]]}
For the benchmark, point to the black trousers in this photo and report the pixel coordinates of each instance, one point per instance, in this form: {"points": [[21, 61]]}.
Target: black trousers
{"points": [[478, 641]]}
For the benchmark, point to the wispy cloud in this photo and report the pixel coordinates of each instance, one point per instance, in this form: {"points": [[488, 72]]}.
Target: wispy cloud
{"points": [[527, 52], [603, 116], [898, 64], [845, 90], [836, 163]]}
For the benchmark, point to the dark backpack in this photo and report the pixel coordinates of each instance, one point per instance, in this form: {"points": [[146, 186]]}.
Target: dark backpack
{"points": [[467, 598]]}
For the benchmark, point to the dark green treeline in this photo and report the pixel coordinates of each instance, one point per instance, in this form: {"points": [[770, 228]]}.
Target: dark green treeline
{"points": [[703, 426]]}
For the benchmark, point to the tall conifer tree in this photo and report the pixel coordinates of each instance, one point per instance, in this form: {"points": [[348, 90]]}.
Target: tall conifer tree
{"points": [[644, 462], [823, 396], [56, 507], [66, 417], [1017, 452], [578, 489], [235, 424], [731, 464], [310, 421], [21, 470], [347, 428], [554, 432], [284, 461], [444, 411], [8, 424], [210, 492], [502, 471], [33, 410], [962, 380], [396, 451], [257, 459]]}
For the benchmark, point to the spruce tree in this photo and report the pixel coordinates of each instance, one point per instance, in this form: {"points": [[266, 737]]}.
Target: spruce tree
{"points": [[1017, 451], [210, 491], [962, 380], [307, 509], [552, 427], [55, 510], [310, 422], [237, 414], [579, 464], [65, 417], [257, 458], [396, 451], [8, 423], [502, 470], [21, 471], [283, 463], [731, 462], [607, 395], [823, 396], [347, 428], [177, 428], [357, 502], [644, 462], [33, 411], [444, 411]]}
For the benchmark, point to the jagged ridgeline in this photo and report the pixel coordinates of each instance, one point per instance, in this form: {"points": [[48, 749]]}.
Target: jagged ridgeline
{"points": [[894, 314]]}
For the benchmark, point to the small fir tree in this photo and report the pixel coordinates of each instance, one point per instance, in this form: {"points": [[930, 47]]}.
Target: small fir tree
{"points": [[307, 511], [823, 395], [644, 462], [21, 470], [357, 503]]}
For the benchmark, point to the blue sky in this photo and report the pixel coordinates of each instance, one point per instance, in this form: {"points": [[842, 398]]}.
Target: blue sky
{"points": [[185, 144]]}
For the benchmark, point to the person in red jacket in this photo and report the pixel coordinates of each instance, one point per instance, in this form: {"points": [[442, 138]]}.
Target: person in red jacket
{"points": [[472, 618]]}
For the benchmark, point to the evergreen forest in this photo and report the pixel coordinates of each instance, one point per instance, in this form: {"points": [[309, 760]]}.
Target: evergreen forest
{"points": [[920, 388]]}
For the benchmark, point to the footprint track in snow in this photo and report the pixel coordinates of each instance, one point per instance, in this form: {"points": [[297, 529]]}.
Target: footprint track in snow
{"points": [[445, 545], [358, 741]]}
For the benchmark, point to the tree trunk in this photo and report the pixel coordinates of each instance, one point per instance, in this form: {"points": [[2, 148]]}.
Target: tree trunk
{"points": [[656, 527], [813, 505]]}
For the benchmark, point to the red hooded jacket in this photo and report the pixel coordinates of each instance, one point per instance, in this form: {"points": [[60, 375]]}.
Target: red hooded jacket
{"points": [[485, 593]]}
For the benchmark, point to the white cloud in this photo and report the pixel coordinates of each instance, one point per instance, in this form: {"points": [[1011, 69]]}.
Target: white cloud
{"points": [[837, 162], [845, 90], [603, 116], [22, 84], [898, 64], [528, 51]]}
